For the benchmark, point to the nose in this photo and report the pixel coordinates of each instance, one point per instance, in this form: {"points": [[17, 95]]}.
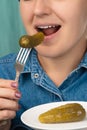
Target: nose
{"points": [[42, 7]]}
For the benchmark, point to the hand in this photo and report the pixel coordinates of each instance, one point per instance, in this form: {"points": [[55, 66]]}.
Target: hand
{"points": [[9, 96], [5, 126]]}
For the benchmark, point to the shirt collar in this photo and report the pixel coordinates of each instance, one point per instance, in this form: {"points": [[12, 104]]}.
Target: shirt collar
{"points": [[32, 65], [83, 62]]}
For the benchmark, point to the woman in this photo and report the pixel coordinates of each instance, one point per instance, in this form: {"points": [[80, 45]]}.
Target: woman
{"points": [[56, 70]]}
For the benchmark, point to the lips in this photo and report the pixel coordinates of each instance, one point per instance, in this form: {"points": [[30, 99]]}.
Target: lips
{"points": [[48, 29]]}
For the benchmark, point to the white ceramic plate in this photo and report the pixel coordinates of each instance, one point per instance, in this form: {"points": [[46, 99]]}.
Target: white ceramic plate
{"points": [[30, 118]]}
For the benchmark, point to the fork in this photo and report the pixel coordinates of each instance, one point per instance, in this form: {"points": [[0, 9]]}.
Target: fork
{"points": [[19, 66], [20, 61]]}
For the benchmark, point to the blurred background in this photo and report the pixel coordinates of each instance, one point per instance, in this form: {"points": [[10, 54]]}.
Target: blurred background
{"points": [[11, 27]]}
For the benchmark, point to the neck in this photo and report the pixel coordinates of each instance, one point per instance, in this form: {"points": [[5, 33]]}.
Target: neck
{"points": [[58, 68]]}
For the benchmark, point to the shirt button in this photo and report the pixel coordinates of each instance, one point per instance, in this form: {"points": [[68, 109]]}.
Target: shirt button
{"points": [[36, 75]]}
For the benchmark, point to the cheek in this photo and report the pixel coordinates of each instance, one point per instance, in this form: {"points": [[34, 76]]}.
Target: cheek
{"points": [[22, 13], [70, 10], [78, 22], [73, 19], [26, 13]]}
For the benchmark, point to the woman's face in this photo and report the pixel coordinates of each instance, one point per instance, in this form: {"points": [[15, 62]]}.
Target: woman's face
{"points": [[63, 22]]}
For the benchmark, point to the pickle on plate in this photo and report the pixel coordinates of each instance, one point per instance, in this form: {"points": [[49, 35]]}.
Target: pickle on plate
{"points": [[27, 41], [70, 112]]}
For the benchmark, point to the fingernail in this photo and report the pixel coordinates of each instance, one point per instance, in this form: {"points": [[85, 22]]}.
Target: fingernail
{"points": [[18, 94], [3, 123], [14, 84]]}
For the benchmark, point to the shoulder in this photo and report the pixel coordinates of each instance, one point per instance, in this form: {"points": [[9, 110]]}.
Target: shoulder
{"points": [[8, 58], [7, 69]]}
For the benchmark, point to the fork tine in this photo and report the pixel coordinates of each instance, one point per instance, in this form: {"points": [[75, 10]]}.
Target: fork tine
{"points": [[22, 55], [20, 61], [24, 58]]}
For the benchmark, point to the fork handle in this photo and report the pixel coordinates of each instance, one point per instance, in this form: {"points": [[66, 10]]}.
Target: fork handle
{"points": [[17, 76]]}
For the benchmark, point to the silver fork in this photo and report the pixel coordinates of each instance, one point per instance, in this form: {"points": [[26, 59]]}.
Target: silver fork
{"points": [[20, 61]]}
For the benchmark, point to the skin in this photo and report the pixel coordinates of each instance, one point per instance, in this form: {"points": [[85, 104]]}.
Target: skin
{"points": [[69, 41], [9, 96], [67, 46]]}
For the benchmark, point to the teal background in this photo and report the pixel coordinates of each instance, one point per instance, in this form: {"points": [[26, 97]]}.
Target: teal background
{"points": [[11, 27]]}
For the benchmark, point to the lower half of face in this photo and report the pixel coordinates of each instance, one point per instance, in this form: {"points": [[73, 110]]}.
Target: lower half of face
{"points": [[69, 36], [64, 42]]}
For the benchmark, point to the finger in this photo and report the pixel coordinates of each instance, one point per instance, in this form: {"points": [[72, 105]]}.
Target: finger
{"points": [[5, 124], [7, 114], [8, 83], [9, 104], [9, 93]]}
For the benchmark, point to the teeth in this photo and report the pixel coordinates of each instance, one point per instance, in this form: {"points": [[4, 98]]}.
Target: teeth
{"points": [[45, 27]]}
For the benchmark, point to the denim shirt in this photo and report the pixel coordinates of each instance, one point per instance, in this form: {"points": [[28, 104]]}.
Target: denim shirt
{"points": [[37, 88]]}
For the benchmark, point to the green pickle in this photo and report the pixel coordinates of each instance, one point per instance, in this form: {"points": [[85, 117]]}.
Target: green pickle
{"points": [[31, 41], [70, 112]]}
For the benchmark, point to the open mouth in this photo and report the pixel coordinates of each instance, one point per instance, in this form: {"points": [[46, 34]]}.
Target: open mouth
{"points": [[48, 29]]}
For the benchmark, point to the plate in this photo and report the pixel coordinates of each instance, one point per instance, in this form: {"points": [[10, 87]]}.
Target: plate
{"points": [[30, 118]]}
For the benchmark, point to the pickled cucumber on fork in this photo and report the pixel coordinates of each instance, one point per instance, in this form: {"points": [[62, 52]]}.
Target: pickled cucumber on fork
{"points": [[70, 112], [27, 41]]}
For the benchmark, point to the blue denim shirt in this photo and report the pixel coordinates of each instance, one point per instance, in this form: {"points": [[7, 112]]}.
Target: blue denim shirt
{"points": [[37, 88]]}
